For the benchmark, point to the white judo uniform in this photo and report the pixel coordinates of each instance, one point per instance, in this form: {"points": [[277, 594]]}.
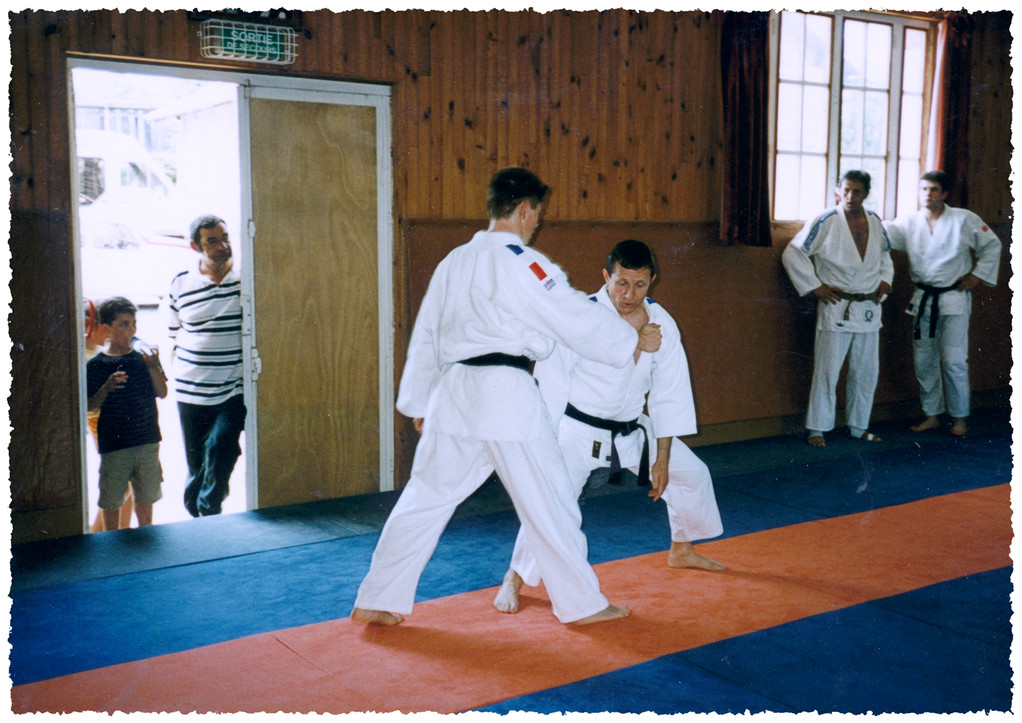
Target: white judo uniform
{"points": [[492, 295], [619, 394], [938, 260], [823, 252]]}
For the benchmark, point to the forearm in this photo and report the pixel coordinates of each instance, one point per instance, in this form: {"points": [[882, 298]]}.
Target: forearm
{"points": [[159, 379], [663, 449], [96, 400]]}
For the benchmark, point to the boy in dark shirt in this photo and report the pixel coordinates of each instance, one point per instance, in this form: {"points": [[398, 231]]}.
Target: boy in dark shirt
{"points": [[123, 385]]}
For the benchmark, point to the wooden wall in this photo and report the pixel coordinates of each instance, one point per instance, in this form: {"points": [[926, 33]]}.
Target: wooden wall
{"points": [[619, 110]]}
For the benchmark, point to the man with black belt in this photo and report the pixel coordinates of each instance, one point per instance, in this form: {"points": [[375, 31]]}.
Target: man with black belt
{"points": [[842, 256], [940, 242], [493, 306], [598, 412]]}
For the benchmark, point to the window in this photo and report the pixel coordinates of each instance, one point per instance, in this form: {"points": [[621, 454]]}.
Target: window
{"points": [[848, 91]]}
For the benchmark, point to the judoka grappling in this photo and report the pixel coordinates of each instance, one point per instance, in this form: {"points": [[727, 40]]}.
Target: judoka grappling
{"points": [[842, 256], [492, 307], [598, 412]]}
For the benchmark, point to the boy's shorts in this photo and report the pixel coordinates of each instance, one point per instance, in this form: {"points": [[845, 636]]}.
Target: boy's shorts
{"points": [[140, 465]]}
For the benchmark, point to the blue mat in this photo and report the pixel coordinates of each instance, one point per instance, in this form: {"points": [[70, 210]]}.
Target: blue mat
{"points": [[933, 650], [306, 577]]}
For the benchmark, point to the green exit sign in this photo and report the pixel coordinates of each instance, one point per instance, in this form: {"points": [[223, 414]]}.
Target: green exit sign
{"points": [[247, 41]]}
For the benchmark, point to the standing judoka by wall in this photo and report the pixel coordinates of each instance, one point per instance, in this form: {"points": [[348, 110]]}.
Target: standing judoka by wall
{"points": [[843, 257], [598, 412], [492, 307], [940, 242]]}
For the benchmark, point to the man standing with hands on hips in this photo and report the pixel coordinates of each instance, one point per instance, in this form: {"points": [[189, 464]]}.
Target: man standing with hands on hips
{"points": [[950, 251], [842, 256]]}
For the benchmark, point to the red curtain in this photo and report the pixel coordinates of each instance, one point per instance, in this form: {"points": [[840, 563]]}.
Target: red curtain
{"points": [[745, 202], [949, 141]]}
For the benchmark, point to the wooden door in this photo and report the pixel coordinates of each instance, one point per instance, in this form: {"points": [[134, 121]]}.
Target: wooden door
{"points": [[315, 298]]}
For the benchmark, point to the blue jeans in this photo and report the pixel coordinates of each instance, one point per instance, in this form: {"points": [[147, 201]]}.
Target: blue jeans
{"points": [[211, 436]]}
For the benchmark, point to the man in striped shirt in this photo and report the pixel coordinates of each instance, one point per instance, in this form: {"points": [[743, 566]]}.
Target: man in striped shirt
{"points": [[204, 319]]}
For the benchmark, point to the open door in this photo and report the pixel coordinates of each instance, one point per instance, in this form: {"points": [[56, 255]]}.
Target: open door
{"points": [[319, 264]]}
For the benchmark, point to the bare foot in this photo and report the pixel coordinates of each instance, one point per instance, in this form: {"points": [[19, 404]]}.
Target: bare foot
{"points": [[817, 441], [375, 617], [682, 554], [926, 425], [869, 437], [611, 612], [959, 428], [507, 597]]}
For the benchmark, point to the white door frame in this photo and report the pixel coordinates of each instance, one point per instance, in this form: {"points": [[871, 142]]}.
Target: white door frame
{"points": [[280, 88], [342, 93]]}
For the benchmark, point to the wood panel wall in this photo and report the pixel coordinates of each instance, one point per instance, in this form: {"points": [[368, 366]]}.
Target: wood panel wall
{"points": [[619, 110]]}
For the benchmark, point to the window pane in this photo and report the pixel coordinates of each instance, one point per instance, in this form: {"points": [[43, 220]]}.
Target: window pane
{"points": [[876, 168], [874, 135], [908, 183], [910, 143], [815, 119], [878, 56], [851, 122], [792, 43], [789, 117], [915, 61], [854, 53], [814, 191], [817, 63], [786, 177]]}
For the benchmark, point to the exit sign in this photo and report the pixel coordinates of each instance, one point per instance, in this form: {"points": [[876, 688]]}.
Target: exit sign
{"points": [[247, 41]]}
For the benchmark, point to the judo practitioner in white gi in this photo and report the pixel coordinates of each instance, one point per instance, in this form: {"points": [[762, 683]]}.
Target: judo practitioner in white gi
{"points": [[842, 256], [492, 307], [950, 251], [598, 411]]}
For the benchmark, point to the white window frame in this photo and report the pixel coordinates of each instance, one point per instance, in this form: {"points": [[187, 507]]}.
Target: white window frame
{"points": [[899, 24]]}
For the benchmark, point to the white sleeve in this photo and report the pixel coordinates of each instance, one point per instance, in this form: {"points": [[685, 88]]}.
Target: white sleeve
{"points": [[553, 375], [987, 246], [896, 234], [886, 264], [421, 367], [568, 316], [798, 261], [670, 403]]}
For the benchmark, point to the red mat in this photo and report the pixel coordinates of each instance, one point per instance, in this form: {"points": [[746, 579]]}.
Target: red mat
{"points": [[457, 653]]}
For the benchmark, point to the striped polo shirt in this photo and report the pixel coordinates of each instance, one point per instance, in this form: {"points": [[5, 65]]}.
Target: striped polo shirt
{"points": [[204, 321]]}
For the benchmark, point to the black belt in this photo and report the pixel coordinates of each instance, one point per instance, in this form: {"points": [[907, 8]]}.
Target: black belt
{"points": [[931, 294], [615, 428], [496, 359]]}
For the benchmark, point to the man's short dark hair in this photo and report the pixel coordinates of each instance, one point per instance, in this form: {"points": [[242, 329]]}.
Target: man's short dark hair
{"points": [[113, 307], [938, 177], [632, 254], [857, 177], [203, 222], [509, 187]]}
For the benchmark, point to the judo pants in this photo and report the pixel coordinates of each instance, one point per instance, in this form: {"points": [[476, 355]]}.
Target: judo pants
{"points": [[692, 511], [942, 365], [862, 350], [446, 470]]}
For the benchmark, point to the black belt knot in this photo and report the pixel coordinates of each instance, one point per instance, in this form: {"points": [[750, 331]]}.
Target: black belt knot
{"points": [[615, 428], [931, 294], [497, 359]]}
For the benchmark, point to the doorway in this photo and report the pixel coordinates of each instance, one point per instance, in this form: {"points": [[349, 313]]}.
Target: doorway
{"points": [[190, 142]]}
